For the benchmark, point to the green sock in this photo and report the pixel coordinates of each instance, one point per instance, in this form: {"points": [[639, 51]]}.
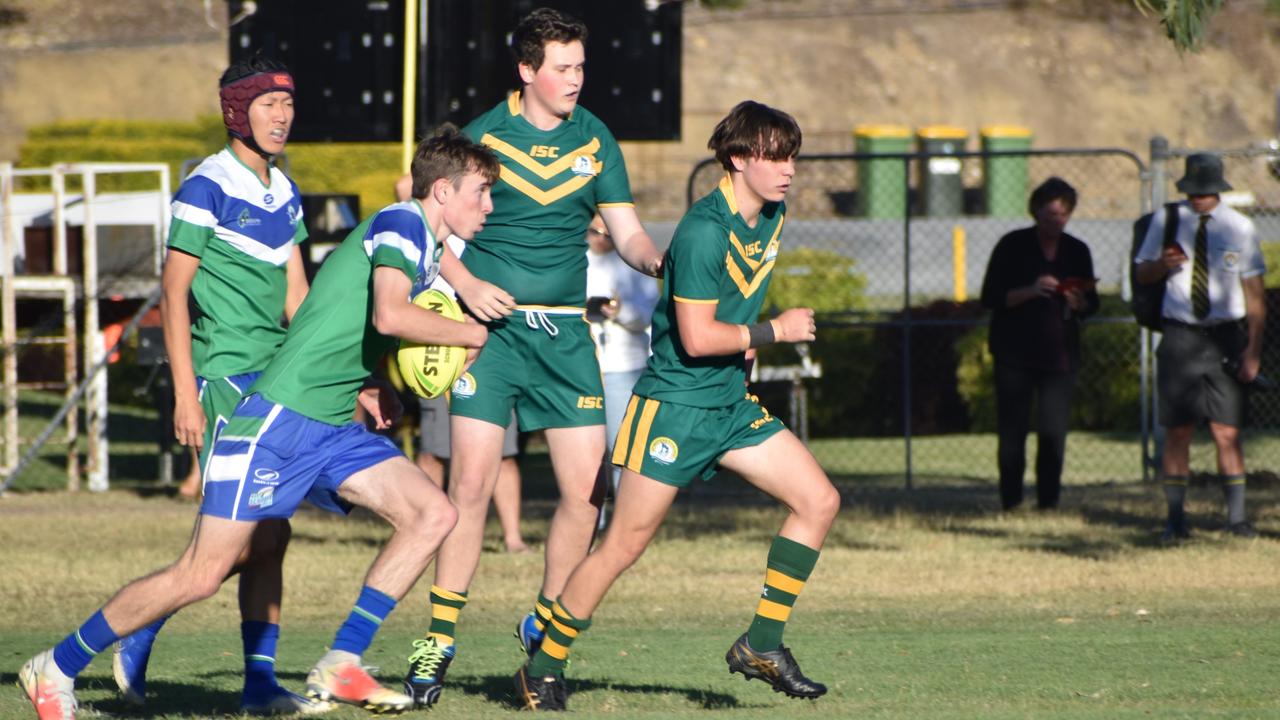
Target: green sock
{"points": [[446, 605], [542, 611], [553, 654], [788, 568]]}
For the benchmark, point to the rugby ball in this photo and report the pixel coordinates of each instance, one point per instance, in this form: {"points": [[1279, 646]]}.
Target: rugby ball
{"points": [[430, 370]]}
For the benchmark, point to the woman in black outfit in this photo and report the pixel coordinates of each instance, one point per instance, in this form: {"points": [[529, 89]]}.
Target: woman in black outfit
{"points": [[1039, 285]]}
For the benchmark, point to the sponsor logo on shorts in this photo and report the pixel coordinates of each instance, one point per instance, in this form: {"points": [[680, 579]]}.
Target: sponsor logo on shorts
{"points": [[464, 386], [582, 165], [266, 476], [590, 402], [755, 425], [664, 450], [265, 497]]}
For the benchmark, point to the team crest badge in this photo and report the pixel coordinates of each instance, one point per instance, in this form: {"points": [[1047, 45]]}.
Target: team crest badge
{"points": [[464, 386], [582, 165], [664, 450], [1230, 260], [771, 252]]}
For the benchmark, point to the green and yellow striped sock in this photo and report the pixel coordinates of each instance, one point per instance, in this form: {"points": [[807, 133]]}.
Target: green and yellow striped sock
{"points": [[446, 605], [542, 612], [553, 654], [788, 568]]}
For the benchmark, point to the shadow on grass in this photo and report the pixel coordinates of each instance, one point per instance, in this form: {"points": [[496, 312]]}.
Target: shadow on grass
{"points": [[498, 689]]}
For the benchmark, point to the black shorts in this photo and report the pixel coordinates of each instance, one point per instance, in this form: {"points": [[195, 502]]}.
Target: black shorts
{"points": [[1191, 380]]}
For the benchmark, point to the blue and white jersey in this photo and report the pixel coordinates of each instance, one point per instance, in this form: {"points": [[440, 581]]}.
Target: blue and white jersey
{"points": [[243, 231], [398, 237]]}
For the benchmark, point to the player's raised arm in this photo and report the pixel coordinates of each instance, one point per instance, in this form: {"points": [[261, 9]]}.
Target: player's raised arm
{"points": [[632, 240]]}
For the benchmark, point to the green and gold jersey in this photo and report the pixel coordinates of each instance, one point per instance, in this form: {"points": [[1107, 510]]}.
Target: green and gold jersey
{"points": [[714, 258], [332, 346], [244, 232], [533, 244]]}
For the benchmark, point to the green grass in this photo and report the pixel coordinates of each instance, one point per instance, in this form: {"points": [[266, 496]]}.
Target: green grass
{"points": [[925, 604]]}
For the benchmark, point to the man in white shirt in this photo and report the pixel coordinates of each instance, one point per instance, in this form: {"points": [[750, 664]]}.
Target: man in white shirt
{"points": [[620, 304], [1213, 281]]}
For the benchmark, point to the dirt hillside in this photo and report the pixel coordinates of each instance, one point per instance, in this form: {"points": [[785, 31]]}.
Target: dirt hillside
{"points": [[1077, 72]]}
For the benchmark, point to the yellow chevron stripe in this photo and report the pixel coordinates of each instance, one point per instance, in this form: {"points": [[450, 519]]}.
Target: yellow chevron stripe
{"points": [[642, 434], [783, 582], [735, 273], [624, 432], [771, 610], [546, 172], [543, 197]]}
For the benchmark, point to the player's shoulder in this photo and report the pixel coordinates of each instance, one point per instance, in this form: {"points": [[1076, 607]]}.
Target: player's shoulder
{"points": [[592, 126], [403, 214], [705, 218], [1234, 218], [488, 121]]}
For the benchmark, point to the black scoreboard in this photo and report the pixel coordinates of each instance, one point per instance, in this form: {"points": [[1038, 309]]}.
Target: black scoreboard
{"points": [[347, 59]]}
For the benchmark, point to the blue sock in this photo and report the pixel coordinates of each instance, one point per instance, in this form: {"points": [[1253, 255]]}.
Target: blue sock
{"points": [[74, 653], [356, 634], [150, 632], [259, 656]]}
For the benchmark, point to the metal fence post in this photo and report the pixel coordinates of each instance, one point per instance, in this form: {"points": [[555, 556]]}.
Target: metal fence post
{"points": [[906, 316], [1152, 433]]}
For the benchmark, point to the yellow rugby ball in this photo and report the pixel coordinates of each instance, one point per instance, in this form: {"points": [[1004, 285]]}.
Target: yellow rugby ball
{"points": [[430, 370]]}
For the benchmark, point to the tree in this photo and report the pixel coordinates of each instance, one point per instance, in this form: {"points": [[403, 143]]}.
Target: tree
{"points": [[1185, 21]]}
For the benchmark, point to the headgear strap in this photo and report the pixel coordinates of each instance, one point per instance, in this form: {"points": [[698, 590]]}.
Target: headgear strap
{"points": [[237, 96]]}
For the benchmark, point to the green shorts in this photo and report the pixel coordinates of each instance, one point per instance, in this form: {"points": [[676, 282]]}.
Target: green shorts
{"points": [[219, 398], [542, 364], [674, 444]]}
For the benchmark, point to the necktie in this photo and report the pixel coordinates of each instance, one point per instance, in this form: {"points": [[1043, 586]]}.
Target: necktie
{"points": [[1200, 271]]}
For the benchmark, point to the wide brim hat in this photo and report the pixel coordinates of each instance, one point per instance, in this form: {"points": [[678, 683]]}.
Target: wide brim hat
{"points": [[1203, 175]]}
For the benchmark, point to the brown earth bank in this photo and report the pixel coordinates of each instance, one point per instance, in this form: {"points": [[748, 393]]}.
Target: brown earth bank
{"points": [[1076, 72]]}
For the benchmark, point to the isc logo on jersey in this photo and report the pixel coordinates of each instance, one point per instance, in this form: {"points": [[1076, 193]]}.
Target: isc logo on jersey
{"points": [[464, 386], [664, 450]]}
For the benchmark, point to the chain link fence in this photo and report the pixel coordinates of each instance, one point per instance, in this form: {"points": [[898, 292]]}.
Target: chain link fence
{"points": [[891, 250]]}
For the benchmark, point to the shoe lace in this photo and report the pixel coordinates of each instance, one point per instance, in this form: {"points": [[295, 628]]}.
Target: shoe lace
{"points": [[426, 658]]}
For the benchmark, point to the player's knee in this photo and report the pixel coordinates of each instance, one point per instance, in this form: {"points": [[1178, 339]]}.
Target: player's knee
{"points": [[470, 491], [432, 521], [821, 504]]}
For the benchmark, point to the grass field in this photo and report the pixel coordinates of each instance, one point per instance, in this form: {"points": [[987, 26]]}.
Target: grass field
{"points": [[925, 604]]}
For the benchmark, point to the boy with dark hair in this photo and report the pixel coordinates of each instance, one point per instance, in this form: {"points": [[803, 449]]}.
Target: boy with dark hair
{"points": [[560, 165], [690, 411], [293, 437], [233, 246]]}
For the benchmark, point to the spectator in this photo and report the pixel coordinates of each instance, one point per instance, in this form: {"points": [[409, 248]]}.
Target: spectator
{"points": [[1205, 356], [620, 304], [1039, 285]]}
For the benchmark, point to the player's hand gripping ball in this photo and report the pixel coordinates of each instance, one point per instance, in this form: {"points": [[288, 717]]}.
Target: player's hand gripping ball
{"points": [[429, 370]]}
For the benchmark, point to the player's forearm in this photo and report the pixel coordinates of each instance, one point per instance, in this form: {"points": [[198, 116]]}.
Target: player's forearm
{"points": [[415, 324], [720, 338], [638, 251], [176, 322]]}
